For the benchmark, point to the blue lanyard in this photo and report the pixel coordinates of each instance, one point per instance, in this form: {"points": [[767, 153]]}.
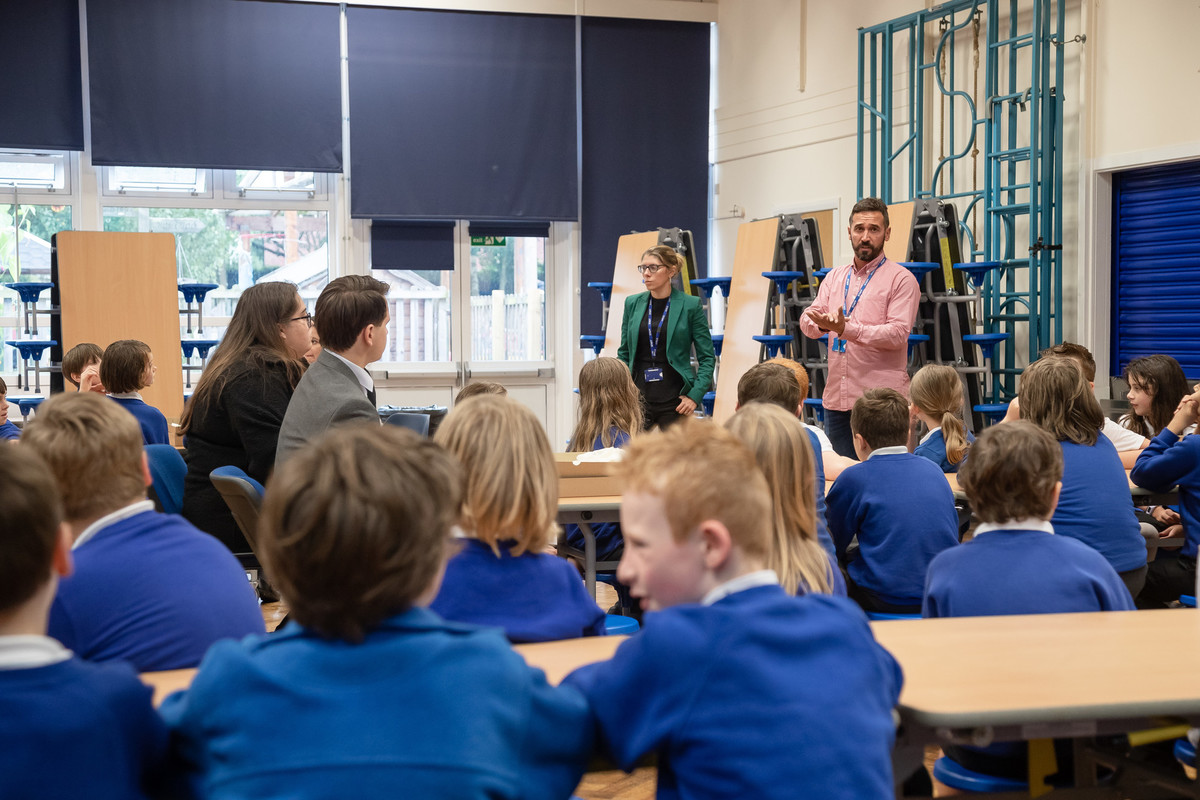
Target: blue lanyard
{"points": [[653, 334], [846, 288]]}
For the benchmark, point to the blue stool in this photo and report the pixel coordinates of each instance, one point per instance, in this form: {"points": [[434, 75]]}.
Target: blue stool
{"points": [[956, 776], [592, 340], [977, 272], [820, 274], [1187, 601], [705, 286], [718, 341], [915, 339], [987, 345], [605, 289], [29, 292], [707, 401], [880, 616], [26, 404], [616, 625], [195, 293], [31, 350], [993, 411], [1185, 752], [782, 280], [199, 347], [818, 407], [920, 269], [776, 343]]}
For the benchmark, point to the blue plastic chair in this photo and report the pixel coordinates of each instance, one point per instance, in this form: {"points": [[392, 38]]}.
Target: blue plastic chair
{"points": [[880, 616], [616, 625], [707, 402], [1185, 752], [419, 423], [956, 776], [1187, 601], [243, 495], [167, 471]]}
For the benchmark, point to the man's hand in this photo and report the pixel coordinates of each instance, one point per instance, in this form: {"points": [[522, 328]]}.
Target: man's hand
{"points": [[829, 322]]}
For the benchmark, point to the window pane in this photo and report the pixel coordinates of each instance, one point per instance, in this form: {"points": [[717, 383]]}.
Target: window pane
{"points": [[26, 170], [257, 180], [508, 299], [237, 248], [37, 223], [419, 302], [156, 179]]}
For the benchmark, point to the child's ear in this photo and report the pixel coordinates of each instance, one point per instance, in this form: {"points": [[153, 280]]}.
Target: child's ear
{"points": [[716, 543], [63, 565], [146, 469], [1054, 499]]}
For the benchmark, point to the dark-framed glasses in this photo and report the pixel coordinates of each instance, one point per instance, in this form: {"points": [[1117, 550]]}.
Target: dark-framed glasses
{"points": [[649, 269], [307, 317]]}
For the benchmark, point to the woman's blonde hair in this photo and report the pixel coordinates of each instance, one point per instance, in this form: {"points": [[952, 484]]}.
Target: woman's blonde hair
{"points": [[937, 391], [784, 454], [609, 404], [667, 255], [510, 491], [1055, 395]]}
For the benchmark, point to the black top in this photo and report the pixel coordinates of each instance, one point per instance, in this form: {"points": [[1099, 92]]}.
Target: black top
{"points": [[240, 428], [671, 386]]}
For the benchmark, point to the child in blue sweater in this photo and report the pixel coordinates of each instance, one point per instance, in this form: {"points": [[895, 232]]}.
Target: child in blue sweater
{"points": [[937, 400], [8, 431], [899, 505], [1094, 504], [1015, 564], [68, 728], [366, 692], [1167, 461], [126, 369], [729, 682], [500, 575]]}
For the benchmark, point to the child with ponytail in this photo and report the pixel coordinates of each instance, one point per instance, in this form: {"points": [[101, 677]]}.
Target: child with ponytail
{"points": [[936, 398]]}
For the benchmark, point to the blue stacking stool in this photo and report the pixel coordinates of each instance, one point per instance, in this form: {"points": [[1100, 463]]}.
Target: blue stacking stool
{"points": [[977, 271], [956, 776], [818, 408], [616, 625], [1187, 601], [920, 269], [718, 341], [820, 274], [707, 401], [26, 404], [31, 350], [705, 286], [605, 290], [776, 343], [915, 339], [993, 411], [199, 347], [987, 345], [882, 616], [29, 292], [1185, 752], [195, 293], [592, 340], [782, 281]]}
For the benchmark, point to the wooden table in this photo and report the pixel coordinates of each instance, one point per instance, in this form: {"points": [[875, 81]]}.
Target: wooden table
{"points": [[583, 511]]}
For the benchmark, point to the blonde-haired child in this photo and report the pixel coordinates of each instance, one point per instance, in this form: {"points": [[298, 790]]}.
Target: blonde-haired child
{"points": [[501, 577], [781, 447], [936, 398]]}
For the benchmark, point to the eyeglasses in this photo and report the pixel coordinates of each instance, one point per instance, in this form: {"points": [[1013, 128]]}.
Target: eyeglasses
{"points": [[306, 317], [650, 269]]}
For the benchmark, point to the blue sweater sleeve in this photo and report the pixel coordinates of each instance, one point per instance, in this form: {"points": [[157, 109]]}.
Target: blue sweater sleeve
{"points": [[558, 740], [1164, 462], [840, 510]]}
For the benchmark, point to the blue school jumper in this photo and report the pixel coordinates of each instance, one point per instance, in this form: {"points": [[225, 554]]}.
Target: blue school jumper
{"points": [[1022, 572], [1094, 505], [150, 419], [534, 597], [838, 582], [1167, 461], [74, 729], [1018, 571], [934, 448], [9, 431], [757, 695], [609, 542], [900, 507], [420, 708], [155, 591]]}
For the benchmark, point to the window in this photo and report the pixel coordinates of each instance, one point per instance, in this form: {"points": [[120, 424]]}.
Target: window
{"points": [[44, 172], [157, 181], [508, 298], [30, 225]]}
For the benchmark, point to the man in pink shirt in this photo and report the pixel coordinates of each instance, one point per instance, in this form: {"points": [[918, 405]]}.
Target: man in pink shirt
{"points": [[868, 308]]}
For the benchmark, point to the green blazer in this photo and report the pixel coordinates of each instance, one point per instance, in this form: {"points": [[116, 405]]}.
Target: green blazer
{"points": [[686, 326]]}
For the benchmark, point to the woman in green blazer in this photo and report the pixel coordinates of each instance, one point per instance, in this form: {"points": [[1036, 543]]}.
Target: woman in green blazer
{"points": [[660, 327]]}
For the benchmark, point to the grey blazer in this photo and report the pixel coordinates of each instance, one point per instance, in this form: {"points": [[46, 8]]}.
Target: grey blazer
{"points": [[327, 395]]}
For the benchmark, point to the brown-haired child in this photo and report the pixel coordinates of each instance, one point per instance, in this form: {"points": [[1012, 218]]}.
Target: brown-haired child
{"points": [[8, 431], [365, 687], [899, 505], [731, 682], [81, 366], [69, 728], [126, 368]]}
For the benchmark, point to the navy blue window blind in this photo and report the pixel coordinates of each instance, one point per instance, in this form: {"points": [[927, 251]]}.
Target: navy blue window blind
{"points": [[222, 84], [645, 139], [458, 115], [1156, 265], [41, 94], [412, 245]]}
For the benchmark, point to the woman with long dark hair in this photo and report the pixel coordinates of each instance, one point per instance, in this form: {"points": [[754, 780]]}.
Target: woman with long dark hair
{"points": [[235, 412]]}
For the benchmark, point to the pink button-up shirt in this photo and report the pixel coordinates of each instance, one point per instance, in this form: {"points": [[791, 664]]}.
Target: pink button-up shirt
{"points": [[876, 333]]}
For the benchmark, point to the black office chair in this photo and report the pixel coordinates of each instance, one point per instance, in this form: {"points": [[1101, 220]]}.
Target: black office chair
{"points": [[414, 422]]}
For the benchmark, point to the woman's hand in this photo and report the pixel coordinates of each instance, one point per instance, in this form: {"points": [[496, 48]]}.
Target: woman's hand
{"points": [[686, 406]]}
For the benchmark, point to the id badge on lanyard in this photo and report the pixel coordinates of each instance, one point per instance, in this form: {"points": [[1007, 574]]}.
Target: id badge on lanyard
{"points": [[653, 374], [838, 345]]}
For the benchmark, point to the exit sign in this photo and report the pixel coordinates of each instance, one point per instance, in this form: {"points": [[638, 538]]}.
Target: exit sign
{"points": [[489, 241]]}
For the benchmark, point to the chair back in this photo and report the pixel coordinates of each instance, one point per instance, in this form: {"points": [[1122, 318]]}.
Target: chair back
{"points": [[167, 471], [414, 422], [243, 495]]}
